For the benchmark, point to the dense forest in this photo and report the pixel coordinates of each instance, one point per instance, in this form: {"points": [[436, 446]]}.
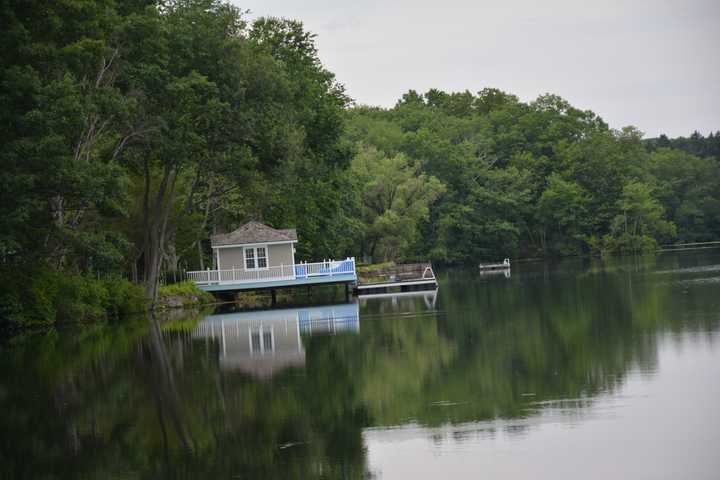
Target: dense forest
{"points": [[134, 130]]}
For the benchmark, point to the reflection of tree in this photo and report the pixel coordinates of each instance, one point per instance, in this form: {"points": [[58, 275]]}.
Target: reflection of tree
{"points": [[513, 347], [102, 401], [134, 400]]}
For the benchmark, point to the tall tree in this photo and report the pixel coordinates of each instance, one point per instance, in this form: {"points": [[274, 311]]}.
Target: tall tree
{"points": [[396, 196]]}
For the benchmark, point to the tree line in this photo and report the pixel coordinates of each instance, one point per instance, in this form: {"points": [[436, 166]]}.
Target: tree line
{"points": [[134, 130], [539, 178]]}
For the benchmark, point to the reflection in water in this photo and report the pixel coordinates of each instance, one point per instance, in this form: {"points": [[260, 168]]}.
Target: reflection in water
{"points": [[264, 342], [660, 427], [609, 368], [505, 272], [400, 302]]}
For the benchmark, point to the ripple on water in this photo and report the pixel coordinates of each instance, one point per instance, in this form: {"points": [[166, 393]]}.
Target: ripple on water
{"points": [[698, 281], [699, 269]]}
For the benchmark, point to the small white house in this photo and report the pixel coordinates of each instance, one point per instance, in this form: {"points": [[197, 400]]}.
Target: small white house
{"points": [[257, 256], [254, 247]]}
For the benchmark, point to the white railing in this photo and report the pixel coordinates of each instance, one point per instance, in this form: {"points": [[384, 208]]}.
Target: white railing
{"points": [[282, 272]]}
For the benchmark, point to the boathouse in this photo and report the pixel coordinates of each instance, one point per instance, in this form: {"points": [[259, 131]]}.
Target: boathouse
{"points": [[254, 247], [257, 256]]}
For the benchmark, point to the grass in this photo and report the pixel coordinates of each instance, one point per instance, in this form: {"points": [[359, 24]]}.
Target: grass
{"points": [[373, 267], [188, 292]]}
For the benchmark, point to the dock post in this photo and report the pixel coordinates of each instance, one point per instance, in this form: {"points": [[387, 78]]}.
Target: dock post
{"points": [[274, 297], [347, 292]]}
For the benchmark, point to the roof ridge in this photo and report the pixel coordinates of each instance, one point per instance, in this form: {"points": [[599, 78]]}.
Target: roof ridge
{"points": [[254, 231]]}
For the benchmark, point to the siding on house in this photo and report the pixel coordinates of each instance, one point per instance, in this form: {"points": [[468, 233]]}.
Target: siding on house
{"points": [[280, 254], [231, 257]]}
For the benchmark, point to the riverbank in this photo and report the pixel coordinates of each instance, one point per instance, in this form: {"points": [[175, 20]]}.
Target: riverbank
{"points": [[181, 295], [40, 296]]}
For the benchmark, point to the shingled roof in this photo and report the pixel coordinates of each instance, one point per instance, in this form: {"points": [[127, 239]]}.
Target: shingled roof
{"points": [[254, 232]]}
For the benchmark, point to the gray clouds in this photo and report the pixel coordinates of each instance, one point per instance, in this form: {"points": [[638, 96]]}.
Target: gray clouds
{"points": [[649, 63]]}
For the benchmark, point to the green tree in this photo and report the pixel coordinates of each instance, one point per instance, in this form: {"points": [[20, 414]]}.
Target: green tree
{"points": [[562, 210], [641, 221], [396, 196], [689, 189]]}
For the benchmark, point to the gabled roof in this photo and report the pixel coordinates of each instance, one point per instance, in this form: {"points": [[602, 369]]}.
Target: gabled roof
{"points": [[254, 232]]}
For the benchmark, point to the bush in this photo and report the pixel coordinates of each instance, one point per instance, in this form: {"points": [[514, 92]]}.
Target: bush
{"points": [[624, 244], [42, 296], [186, 293], [124, 297], [80, 298]]}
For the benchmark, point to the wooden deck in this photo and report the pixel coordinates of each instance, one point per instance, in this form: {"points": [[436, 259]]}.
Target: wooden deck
{"points": [[271, 278], [410, 276], [394, 278]]}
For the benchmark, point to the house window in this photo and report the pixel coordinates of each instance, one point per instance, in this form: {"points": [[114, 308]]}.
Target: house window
{"points": [[255, 258], [262, 340], [261, 257], [250, 258]]}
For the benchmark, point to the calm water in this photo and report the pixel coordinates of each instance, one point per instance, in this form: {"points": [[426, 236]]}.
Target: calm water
{"points": [[567, 370]]}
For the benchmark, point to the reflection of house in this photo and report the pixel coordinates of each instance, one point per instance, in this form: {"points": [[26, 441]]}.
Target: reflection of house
{"points": [[264, 342]]}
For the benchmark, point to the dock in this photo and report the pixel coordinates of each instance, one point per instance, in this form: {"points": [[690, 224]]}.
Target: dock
{"points": [[272, 278], [403, 278], [505, 265]]}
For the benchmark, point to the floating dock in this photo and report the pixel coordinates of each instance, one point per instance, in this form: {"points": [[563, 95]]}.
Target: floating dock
{"points": [[403, 278], [505, 265]]}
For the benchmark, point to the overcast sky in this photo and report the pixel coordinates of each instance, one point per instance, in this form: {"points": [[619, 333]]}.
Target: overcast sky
{"points": [[654, 64]]}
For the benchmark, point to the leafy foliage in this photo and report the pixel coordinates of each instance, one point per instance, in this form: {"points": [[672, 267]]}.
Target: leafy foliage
{"points": [[44, 296], [132, 131], [538, 178]]}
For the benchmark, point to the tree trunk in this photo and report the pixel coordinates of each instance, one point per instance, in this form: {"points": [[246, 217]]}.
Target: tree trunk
{"points": [[156, 219], [200, 255]]}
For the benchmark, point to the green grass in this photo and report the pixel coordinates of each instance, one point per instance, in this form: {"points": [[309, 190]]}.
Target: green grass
{"points": [[188, 291], [373, 267]]}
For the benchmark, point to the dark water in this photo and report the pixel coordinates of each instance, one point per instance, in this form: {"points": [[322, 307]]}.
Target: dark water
{"points": [[569, 370]]}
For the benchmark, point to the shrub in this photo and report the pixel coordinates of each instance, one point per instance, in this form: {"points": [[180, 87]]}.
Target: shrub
{"points": [[124, 297], [42, 296], [187, 291]]}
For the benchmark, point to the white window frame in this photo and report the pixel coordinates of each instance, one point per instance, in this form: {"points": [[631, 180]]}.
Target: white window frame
{"points": [[261, 331], [254, 249]]}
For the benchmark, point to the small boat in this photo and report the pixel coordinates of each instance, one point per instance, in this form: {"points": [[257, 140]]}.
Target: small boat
{"points": [[505, 265]]}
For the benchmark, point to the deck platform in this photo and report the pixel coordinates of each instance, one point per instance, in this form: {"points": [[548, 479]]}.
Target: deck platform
{"points": [[327, 272], [406, 277], [282, 283], [505, 265]]}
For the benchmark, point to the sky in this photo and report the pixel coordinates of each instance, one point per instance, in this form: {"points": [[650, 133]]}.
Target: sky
{"points": [[653, 64]]}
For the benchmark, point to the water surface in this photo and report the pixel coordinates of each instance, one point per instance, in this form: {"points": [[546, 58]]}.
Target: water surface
{"points": [[577, 369]]}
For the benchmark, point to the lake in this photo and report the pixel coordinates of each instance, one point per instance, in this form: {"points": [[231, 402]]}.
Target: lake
{"points": [[564, 370]]}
